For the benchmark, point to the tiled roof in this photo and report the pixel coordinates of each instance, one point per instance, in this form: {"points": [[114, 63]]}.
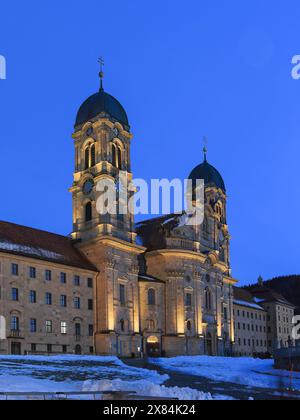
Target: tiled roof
{"points": [[34, 243]]}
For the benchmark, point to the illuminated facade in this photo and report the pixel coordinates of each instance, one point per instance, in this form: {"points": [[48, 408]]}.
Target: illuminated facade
{"points": [[161, 287]]}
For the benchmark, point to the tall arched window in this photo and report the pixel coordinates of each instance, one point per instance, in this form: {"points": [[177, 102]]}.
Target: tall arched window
{"points": [[151, 297], [119, 158], [87, 158], [189, 326], [88, 212], [208, 301], [90, 156], [116, 156], [93, 155]]}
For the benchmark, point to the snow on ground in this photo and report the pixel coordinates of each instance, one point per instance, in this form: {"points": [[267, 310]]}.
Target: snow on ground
{"points": [[84, 373], [66, 373], [243, 371], [148, 389], [80, 373]]}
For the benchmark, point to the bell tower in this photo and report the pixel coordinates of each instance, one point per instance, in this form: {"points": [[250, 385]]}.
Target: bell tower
{"points": [[102, 141]]}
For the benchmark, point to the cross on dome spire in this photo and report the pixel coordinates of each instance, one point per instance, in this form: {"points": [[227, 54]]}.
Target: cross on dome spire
{"points": [[205, 141], [101, 73]]}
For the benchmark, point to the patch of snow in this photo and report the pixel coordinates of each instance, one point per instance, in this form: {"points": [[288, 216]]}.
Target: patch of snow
{"points": [[24, 249], [66, 373], [244, 371], [148, 389], [248, 304]]}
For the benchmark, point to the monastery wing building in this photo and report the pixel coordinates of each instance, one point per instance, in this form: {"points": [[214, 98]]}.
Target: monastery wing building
{"points": [[161, 287]]}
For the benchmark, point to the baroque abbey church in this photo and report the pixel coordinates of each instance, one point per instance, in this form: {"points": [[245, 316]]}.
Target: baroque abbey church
{"points": [[114, 287]]}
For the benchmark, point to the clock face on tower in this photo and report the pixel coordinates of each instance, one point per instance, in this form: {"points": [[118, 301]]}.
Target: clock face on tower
{"points": [[88, 187]]}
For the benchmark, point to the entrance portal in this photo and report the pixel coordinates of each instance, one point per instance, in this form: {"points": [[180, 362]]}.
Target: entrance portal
{"points": [[153, 346], [78, 350], [16, 348]]}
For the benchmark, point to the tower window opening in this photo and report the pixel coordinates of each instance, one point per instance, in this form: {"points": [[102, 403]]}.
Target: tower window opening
{"points": [[116, 156], [88, 212], [119, 158], [93, 155], [87, 158], [90, 156]]}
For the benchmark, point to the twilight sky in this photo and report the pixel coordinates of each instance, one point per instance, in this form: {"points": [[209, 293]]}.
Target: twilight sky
{"points": [[182, 70]]}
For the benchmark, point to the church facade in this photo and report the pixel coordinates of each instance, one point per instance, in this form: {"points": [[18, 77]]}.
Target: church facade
{"points": [[159, 287]]}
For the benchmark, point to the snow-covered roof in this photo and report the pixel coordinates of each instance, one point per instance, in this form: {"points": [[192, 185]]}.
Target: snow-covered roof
{"points": [[248, 304], [34, 243]]}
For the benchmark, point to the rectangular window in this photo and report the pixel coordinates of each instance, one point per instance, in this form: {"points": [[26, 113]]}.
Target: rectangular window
{"points": [[33, 348], [14, 323], [32, 272], [49, 348], [77, 303], [48, 299], [63, 327], [77, 330], [63, 301], [90, 283], [48, 275], [76, 281], [91, 330], [33, 325], [90, 304], [32, 296], [49, 327], [15, 294], [63, 278], [122, 294], [15, 269], [64, 348]]}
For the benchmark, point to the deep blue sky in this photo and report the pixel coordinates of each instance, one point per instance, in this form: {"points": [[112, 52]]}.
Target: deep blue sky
{"points": [[182, 70]]}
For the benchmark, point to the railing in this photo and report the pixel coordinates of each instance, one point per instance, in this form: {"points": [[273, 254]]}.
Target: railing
{"points": [[84, 395], [15, 334]]}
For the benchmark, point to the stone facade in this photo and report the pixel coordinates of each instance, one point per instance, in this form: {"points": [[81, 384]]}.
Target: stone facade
{"points": [[162, 287], [40, 306], [250, 325]]}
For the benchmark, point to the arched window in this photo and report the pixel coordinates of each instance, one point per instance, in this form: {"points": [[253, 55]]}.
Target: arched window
{"points": [[119, 157], [208, 301], [93, 155], [88, 212], [114, 154], [90, 156], [189, 325], [87, 158], [151, 297]]}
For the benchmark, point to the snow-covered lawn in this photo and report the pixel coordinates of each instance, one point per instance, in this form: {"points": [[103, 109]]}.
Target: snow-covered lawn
{"points": [[243, 371], [80, 373]]}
